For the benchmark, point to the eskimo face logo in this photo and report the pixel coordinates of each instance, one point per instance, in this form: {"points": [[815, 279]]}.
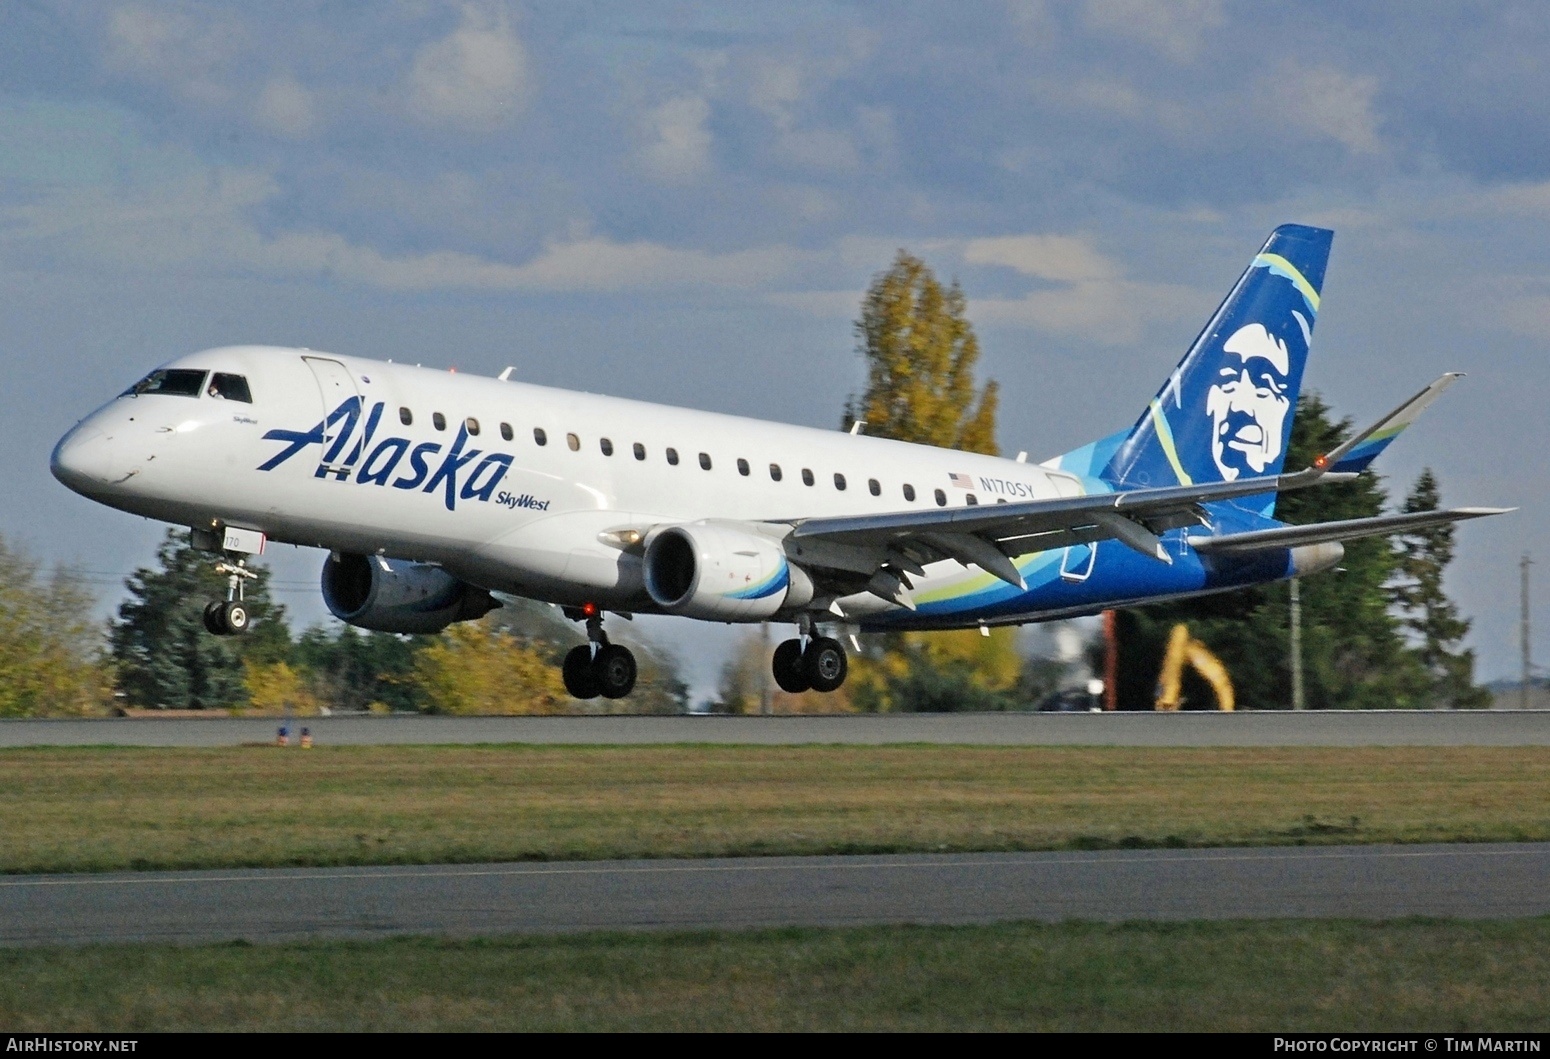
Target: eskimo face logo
{"points": [[1248, 403]]}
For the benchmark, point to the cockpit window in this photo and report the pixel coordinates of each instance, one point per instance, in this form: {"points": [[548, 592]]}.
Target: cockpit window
{"points": [[231, 388], [179, 382]]}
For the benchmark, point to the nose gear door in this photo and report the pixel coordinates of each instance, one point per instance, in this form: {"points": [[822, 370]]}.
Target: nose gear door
{"points": [[341, 411]]}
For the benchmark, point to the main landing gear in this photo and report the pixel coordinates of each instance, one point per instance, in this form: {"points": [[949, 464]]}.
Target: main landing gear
{"points": [[809, 662], [230, 617], [598, 667]]}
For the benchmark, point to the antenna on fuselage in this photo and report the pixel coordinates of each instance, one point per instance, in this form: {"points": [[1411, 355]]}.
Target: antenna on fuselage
{"points": [[505, 376]]}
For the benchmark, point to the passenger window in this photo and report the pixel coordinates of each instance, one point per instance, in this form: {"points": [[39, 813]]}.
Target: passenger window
{"points": [[573, 442], [705, 460], [640, 451], [873, 487], [539, 437], [472, 424], [807, 476], [672, 457], [405, 417], [438, 421], [909, 492], [230, 388], [175, 382], [941, 498], [742, 467], [839, 482], [774, 472], [506, 432], [1000, 499], [971, 500], [606, 445]]}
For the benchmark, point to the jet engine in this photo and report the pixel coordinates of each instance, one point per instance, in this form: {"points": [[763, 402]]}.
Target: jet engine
{"points": [[720, 573], [392, 595]]}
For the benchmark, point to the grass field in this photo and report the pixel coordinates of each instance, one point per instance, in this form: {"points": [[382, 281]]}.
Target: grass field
{"points": [[99, 809], [1286, 976]]}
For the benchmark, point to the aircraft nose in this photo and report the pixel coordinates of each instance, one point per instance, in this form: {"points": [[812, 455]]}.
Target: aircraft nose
{"points": [[83, 459]]}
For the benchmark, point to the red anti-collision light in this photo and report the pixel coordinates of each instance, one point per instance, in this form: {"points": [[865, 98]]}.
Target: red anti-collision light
{"points": [[589, 610]]}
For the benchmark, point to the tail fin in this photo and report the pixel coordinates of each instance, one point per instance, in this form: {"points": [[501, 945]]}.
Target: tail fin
{"points": [[1226, 411]]}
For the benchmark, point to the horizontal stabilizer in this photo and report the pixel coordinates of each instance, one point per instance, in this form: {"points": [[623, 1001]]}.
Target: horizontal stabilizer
{"points": [[1345, 530], [1359, 450]]}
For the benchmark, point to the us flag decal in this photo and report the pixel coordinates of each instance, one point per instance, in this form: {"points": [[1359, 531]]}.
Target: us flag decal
{"points": [[962, 481]]}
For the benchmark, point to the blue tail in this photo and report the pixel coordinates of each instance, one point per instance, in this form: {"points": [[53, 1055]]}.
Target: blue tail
{"points": [[1226, 411]]}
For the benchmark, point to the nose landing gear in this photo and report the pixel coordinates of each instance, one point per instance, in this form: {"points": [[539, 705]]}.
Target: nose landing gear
{"points": [[598, 667], [231, 617]]}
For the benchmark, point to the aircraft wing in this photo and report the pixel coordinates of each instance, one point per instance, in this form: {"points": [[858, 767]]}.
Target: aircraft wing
{"points": [[897, 544], [1345, 530]]}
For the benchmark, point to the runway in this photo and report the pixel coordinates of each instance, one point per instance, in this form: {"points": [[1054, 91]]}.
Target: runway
{"points": [[1314, 728], [1365, 882]]}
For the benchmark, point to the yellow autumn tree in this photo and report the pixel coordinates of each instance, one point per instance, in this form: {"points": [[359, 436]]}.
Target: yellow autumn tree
{"points": [[274, 688], [920, 353], [475, 668], [51, 659]]}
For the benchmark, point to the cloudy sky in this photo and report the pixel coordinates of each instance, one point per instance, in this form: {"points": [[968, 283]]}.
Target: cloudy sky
{"points": [[682, 202]]}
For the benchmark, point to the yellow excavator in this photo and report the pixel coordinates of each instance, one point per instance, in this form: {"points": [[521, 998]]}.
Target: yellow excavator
{"points": [[1183, 648]]}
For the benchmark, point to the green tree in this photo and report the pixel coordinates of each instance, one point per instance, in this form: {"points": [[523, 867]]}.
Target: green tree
{"points": [[352, 671], [920, 353], [1353, 654], [50, 646], [1429, 618], [164, 656]]}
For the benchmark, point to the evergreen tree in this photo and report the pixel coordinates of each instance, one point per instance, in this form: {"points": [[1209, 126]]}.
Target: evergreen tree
{"points": [[920, 353], [1428, 616], [165, 657], [352, 670]]}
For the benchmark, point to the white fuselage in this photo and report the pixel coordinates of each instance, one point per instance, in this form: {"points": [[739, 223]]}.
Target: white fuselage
{"points": [[531, 519]]}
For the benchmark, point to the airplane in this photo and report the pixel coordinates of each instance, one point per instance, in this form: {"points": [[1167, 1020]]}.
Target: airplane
{"points": [[435, 492]]}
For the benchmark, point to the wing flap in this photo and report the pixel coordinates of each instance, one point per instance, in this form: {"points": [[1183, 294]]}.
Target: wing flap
{"points": [[1344, 530]]}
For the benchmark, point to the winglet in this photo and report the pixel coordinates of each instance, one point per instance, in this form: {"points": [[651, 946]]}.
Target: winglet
{"points": [[1359, 450]]}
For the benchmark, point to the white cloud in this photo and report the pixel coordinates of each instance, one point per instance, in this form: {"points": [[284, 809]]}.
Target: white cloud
{"points": [[1059, 258], [1326, 102], [476, 78], [1177, 28], [679, 146], [778, 88], [1107, 312], [201, 221], [172, 48], [1093, 299], [286, 108]]}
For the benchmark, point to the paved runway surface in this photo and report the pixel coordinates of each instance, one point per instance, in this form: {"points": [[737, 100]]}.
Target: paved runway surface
{"points": [[1335, 728], [1470, 881]]}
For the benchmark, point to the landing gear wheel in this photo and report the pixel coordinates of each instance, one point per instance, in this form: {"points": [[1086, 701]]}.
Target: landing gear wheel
{"points": [[579, 680], [825, 664], [789, 671], [613, 670], [213, 618], [234, 616]]}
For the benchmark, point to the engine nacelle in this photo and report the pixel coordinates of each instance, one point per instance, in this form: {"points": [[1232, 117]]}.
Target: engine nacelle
{"points": [[718, 573], [392, 595]]}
